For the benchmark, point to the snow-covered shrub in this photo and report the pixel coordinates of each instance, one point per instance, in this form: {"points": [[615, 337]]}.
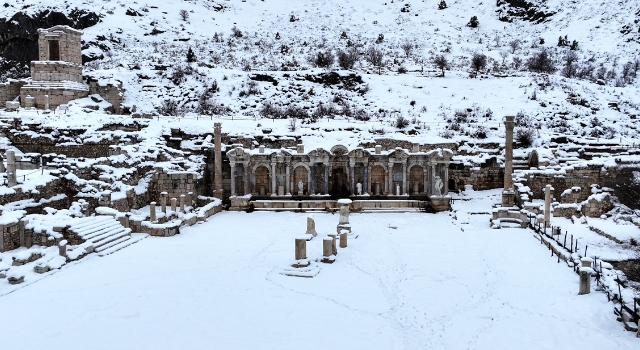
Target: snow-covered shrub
{"points": [[272, 111], [523, 120], [179, 73], [402, 70], [401, 122], [249, 88], [236, 32], [168, 108], [447, 134], [541, 62], [570, 67], [295, 112], [525, 136], [184, 14], [441, 62], [375, 56], [324, 110], [473, 22], [347, 59], [322, 59], [191, 57], [479, 132], [442, 5]]}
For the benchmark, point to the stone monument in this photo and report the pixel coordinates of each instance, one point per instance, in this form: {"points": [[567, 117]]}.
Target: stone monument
{"points": [[508, 194], [217, 159], [311, 227], [344, 224], [585, 276], [547, 205], [300, 188]]}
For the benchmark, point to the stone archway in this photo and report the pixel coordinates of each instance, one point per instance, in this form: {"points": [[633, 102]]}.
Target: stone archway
{"points": [[300, 174], [377, 180], [339, 183], [416, 180], [262, 180]]}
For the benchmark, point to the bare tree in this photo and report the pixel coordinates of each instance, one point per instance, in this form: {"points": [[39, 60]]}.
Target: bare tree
{"points": [[515, 44], [376, 58], [570, 67], [504, 54], [441, 62], [347, 59], [407, 47], [184, 14]]}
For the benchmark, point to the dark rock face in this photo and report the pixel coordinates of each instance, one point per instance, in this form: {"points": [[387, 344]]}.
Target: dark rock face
{"points": [[19, 34], [508, 10]]}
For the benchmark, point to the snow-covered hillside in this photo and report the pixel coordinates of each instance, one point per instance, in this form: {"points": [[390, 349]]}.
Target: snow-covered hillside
{"points": [[145, 45]]}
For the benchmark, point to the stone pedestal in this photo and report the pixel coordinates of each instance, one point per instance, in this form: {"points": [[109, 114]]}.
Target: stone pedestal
{"points": [[508, 198], [343, 224], [152, 211], [301, 248], [585, 276], [62, 248]]}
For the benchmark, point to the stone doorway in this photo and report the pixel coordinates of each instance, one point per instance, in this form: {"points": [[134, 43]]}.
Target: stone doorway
{"points": [[339, 183], [240, 174], [262, 181], [54, 50]]}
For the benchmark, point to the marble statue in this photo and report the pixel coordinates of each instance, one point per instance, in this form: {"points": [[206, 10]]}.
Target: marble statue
{"points": [[359, 189], [439, 185]]}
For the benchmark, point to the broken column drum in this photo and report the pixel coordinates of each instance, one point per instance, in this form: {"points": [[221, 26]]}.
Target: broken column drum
{"points": [[163, 202], [182, 198], [152, 211], [311, 227], [173, 204], [301, 248]]}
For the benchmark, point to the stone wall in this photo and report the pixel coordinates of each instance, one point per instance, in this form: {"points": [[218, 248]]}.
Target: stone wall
{"points": [[10, 90], [45, 145], [111, 92], [55, 71], [174, 183], [57, 95], [487, 176]]}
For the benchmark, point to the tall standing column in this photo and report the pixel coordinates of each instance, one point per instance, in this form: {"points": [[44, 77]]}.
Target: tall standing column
{"points": [[2, 168], [274, 189], [433, 179], [12, 178], [312, 182], [508, 195], [366, 179], [287, 181], [404, 179], [352, 181], [326, 178], [446, 180], [233, 179], [547, 205], [391, 189], [217, 161], [247, 178]]}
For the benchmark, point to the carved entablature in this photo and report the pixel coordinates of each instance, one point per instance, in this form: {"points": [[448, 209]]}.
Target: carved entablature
{"points": [[238, 155], [319, 156], [398, 155]]}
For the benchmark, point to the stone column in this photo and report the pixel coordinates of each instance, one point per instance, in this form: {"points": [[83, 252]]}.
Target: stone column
{"points": [[326, 178], [301, 248], [274, 188], [391, 187], [173, 204], [365, 185], [446, 180], [217, 160], [312, 184], [343, 239], [404, 179], [2, 168], [508, 195], [327, 250], [585, 276], [190, 199], [352, 182], [334, 248], [433, 177], [182, 198], [287, 181], [46, 102], [233, 179], [12, 178], [547, 205], [152, 211], [247, 179], [163, 202]]}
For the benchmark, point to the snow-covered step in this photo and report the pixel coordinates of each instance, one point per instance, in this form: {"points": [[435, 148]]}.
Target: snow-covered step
{"points": [[101, 231], [106, 241], [112, 243], [123, 244], [114, 232], [97, 230]]}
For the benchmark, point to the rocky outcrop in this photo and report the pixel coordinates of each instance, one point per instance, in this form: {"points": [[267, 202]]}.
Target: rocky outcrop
{"points": [[536, 11], [19, 34]]}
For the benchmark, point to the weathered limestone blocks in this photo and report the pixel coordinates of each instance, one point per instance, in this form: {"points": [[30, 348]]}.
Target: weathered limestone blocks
{"points": [[173, 183]]}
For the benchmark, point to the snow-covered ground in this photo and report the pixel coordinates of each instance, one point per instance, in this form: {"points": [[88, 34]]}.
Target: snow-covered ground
{"points": [[409, 281]]}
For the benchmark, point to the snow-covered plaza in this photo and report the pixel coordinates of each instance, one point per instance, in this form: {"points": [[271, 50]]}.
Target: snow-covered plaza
{"points": [[409, 281]]}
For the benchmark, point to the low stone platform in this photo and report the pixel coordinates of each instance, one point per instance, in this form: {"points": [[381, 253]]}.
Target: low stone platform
{"points": [[393, 205]]}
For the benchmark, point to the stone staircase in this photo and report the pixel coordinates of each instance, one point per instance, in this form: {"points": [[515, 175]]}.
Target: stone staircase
{"points": [[105, 233]]}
